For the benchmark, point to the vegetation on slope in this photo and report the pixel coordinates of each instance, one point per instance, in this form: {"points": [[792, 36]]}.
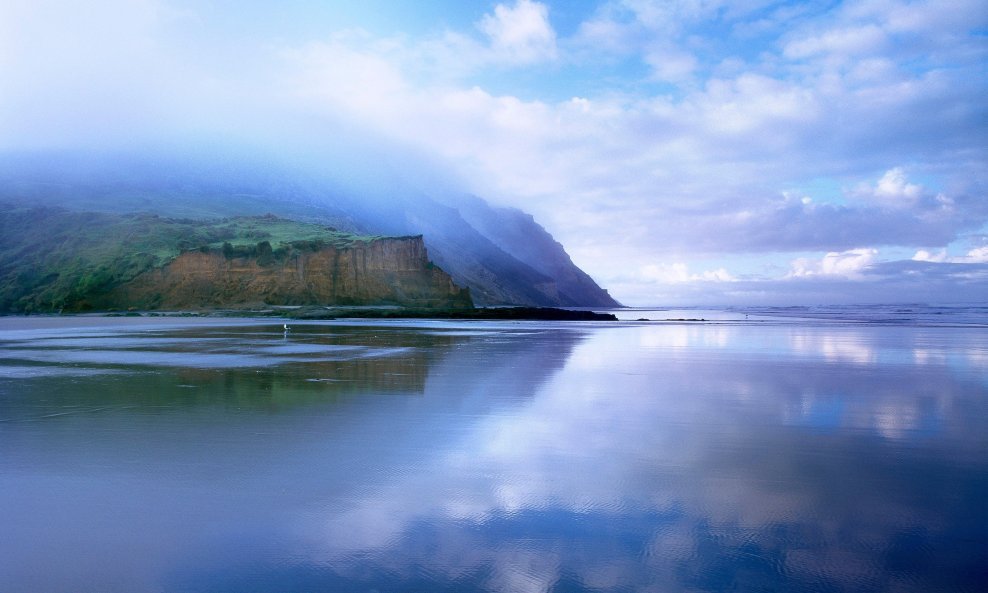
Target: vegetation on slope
{"points": [[53, 259]]}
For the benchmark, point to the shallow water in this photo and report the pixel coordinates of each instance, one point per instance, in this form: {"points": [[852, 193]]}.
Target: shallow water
{"points": [[775, 453]]}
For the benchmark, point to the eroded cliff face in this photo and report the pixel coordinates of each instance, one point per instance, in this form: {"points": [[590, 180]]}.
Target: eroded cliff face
{"points": [[392, 271]]}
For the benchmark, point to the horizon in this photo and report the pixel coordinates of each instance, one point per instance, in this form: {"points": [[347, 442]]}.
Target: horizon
{"points": [[718, 154]]}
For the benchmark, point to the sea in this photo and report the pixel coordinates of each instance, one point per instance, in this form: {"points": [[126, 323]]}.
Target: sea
{"points": [[818, 449]]}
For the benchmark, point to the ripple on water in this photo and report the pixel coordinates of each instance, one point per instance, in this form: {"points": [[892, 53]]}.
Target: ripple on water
{"points": [[306, 349], [34, 372], [268, 357]]}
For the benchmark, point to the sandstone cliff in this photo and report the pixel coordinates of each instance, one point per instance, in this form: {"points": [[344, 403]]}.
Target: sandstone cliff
{"points": [[388, 271]]}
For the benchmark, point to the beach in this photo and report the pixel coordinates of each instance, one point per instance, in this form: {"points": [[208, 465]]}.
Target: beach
{"points": [[750, 451]]}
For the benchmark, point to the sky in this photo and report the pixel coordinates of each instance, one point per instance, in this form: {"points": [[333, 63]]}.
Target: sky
{"points": [[684, 152]]}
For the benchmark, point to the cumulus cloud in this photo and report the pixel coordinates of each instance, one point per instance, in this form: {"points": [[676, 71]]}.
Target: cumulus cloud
{"points": [[520, 33], [679, 272], [894, 186], [846, 264], [894, 191], [882, 282], [978, 255]]}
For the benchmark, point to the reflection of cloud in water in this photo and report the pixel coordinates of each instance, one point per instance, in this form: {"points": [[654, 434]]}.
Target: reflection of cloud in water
{"points": [[896, 421], [925, 356], [835, 346], [622, 458], [743, 478], [677, 336]]}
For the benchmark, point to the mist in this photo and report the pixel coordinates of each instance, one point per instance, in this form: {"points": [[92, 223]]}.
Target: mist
{"points": [[121, 98], [153, 81]]}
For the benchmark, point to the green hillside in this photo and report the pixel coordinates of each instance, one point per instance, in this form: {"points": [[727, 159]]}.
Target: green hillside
{"points": [[53, 259]]}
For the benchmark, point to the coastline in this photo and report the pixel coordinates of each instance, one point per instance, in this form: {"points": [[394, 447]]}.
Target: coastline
{"points": [[315, 313]]}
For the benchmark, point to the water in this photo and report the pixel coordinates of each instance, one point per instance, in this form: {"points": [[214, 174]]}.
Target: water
{"points": [[777, 452]]}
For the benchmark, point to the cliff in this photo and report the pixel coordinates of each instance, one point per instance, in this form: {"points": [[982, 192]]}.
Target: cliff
{"points": [[53, 260], [387, 271]]}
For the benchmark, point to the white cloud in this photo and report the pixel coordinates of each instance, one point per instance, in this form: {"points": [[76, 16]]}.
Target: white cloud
{"points": [[926, 17], [753, 103], [671, 64], [691, 173], [522, 33], [846, 42], [605, 35], [847, 264], [924, 255], [679, 272], [894, 189], [978, 255]]}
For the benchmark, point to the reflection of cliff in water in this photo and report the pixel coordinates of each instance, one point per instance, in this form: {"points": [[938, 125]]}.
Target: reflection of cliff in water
{"points": [[224, 443], [356, 361], [159, 389]]}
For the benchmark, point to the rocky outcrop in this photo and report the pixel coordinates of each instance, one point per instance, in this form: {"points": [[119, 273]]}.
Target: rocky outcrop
{"points": [[389, 271]]}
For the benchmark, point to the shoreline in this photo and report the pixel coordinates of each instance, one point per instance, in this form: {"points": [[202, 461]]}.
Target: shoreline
{"points": [[315, 313]]}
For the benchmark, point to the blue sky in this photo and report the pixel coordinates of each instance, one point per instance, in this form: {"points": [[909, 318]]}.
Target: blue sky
{"points": [[695, 151]]}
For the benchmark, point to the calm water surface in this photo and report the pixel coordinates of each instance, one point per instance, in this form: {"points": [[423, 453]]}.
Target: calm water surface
{"points": [[774, 453]]}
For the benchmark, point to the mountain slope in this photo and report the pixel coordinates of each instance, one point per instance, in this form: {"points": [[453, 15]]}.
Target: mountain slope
{"points": [[519, 235], [502, 255]]}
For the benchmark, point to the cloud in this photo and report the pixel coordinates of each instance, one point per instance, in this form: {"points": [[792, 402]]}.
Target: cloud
{"points": [[978, 255], [894, 191], [580, 162], [847, 43], [848, 264], [522, 33], [894, 187], [924, 30], [654, 31], [926, 17], [670, 64], [679, 272], [901, 281]]}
